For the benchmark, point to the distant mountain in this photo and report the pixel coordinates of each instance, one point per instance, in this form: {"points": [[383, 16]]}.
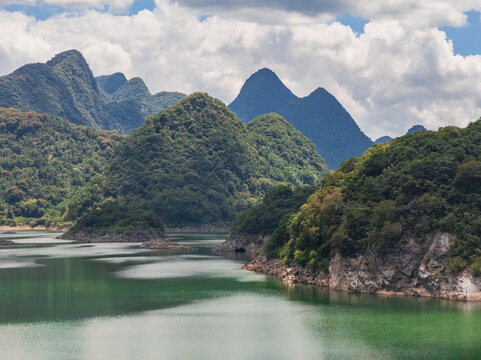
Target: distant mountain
{"points": [[416, 128], [131, 101], [318, 116], [109, 84], [66, 87], [44, 161], [383, 139], [195, 163], [262, 93]]}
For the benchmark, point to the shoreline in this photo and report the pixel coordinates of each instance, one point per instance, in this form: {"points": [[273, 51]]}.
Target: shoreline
{"points": [[294, 274], [198, 229], [27, 227]]}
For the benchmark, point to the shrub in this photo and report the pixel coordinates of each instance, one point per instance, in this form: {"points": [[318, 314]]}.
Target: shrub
{"points": [[455, 265]]}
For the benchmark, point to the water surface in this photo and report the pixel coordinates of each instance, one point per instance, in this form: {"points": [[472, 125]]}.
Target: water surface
{"points": [[60, 300]]}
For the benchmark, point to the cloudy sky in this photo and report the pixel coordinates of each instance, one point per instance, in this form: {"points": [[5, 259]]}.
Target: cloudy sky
{"points": [[391, 63]]}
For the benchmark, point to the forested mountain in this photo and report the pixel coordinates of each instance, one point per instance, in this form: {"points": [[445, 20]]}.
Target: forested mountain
{"points": [[398, 195], [290, 154], [66, 87], [195, 163], [131, 101], [43, 161], [318, 116]]}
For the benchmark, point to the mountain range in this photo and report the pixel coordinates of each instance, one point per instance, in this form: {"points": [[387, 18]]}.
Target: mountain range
{"points": [[318, 116], [65, 86]]}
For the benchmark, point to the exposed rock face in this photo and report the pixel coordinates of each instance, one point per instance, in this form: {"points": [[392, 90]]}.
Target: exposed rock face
{"points": [[413, 268], [242, 242], [291, 274], [202, 228], [5, 242]]}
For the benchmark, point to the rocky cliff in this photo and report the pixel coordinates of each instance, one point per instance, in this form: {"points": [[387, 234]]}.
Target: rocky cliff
{"points": [[413, 268], [242, 242]]}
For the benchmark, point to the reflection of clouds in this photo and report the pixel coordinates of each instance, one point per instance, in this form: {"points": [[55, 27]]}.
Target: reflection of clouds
{"points": [[10, 264], [248, 326], [166, 267], [23, 256]]}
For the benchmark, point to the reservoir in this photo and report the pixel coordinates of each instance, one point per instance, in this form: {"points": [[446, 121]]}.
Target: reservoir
{"points": [[60, 300]]}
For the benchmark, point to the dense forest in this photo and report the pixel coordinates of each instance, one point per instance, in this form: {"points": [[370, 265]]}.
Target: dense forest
{"points": [[271, 214], [195, 163], [411, 187], [43, 161], [287, 150]]}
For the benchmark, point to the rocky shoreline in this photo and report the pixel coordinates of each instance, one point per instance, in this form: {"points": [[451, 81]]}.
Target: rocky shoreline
{"points": [[242, 243], [204, 228], [412, 269], [147, 239], [5, 242], [27, 227], [164, 244]]}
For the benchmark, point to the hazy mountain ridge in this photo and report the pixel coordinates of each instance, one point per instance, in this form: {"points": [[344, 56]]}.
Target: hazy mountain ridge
{"points": [[319, 116], [131, 100]]}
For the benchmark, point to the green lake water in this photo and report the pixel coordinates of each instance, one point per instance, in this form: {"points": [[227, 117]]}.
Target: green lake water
{"points": [[60, 300]]}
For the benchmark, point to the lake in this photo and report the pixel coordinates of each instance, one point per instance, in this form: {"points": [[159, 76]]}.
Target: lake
{"points": [[60, 300]]}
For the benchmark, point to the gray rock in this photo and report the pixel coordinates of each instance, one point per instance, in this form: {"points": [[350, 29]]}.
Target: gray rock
{"points": [[413, 268]]}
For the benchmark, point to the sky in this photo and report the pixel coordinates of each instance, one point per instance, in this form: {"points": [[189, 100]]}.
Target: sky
{"points": [[391, 63]]}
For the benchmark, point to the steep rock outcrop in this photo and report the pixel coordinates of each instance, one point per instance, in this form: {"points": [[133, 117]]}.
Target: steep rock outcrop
{"points": [[413, 268]]}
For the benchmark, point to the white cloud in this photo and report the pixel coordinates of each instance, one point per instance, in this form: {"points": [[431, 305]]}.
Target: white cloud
{"points": [[400, 72]]}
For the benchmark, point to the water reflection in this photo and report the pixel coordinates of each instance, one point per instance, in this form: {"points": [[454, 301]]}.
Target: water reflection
{"points": [[115, 301]]}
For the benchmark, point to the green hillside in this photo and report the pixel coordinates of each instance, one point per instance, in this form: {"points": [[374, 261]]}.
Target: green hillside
{"points": [[409, 188], [43, 161], [195, 163]]}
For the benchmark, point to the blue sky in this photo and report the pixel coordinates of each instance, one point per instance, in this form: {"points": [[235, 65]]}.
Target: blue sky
{"points": [[466, 39]]}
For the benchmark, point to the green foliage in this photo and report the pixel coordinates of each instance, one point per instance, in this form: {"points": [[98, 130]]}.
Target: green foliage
{"points": [[119, 218], [287, 150], [195, 163], [43, 161], [476, 264], [66, 87], [279, 237], [454, 265], [263, 218], [415, 185]]}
